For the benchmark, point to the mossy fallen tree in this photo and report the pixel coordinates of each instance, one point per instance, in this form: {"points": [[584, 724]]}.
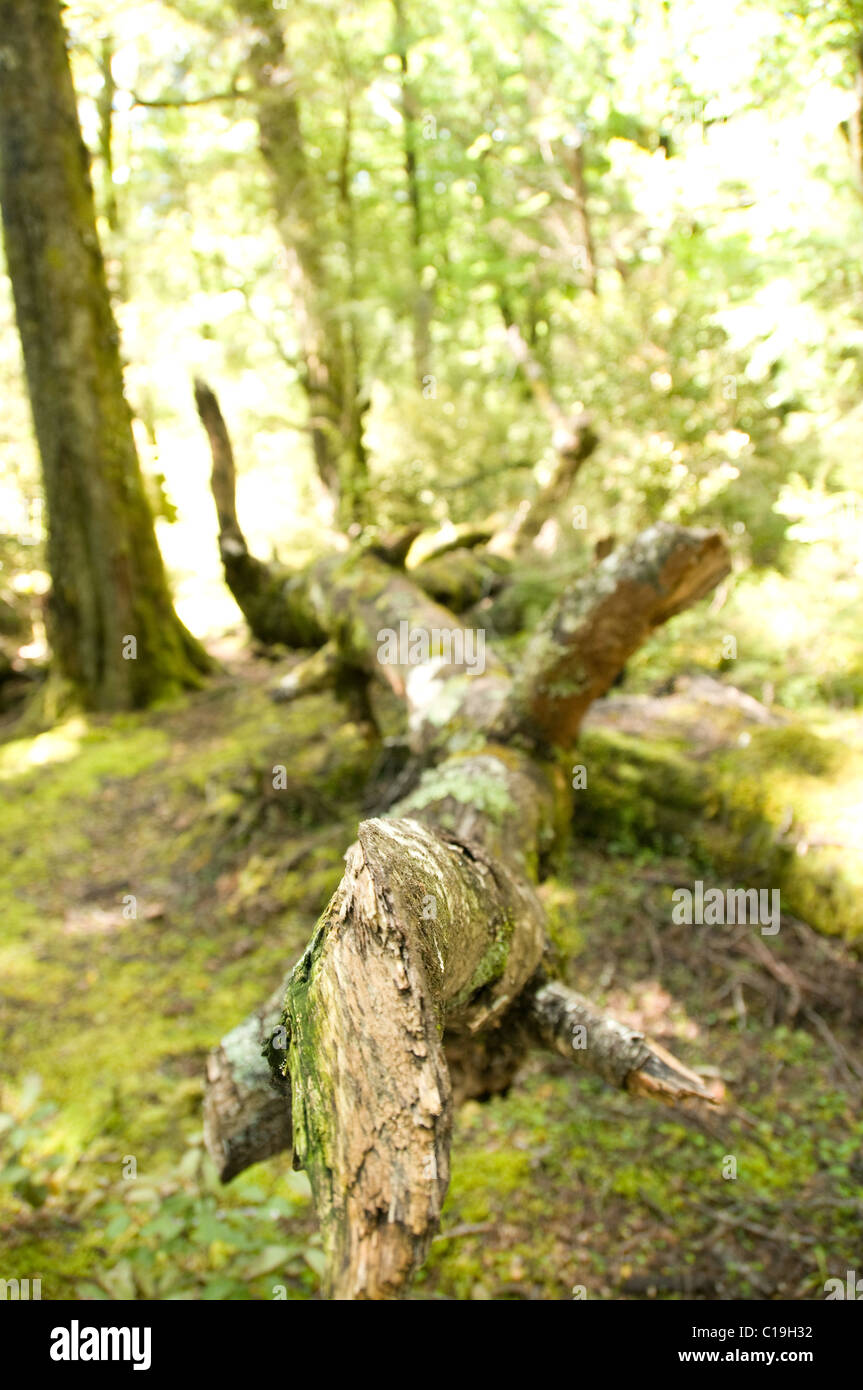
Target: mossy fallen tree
{"points": [[748, 791], [428, 975]]}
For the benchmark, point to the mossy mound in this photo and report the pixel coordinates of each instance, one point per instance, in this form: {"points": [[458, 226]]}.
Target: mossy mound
{"points": [[778, 808]]}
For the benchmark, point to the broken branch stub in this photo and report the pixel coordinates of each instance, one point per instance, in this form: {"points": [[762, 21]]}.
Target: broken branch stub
{"points": [[567, 1023], [588, 635]]}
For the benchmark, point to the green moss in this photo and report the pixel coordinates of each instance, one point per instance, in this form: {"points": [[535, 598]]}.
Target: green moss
{"points": [[791, 747], [491, 967], [481, 784], [118, 1015], [119, 1020], [762, 809], [481, 1187]]}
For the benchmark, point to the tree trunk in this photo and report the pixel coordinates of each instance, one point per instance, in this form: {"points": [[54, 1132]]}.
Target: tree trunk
{"points": [[427, 976], [583, 230], [421, 297], [336, 405], [114, 632]]}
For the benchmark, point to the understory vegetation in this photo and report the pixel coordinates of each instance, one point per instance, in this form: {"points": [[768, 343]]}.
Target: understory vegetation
{"points": [[107, 1019]]}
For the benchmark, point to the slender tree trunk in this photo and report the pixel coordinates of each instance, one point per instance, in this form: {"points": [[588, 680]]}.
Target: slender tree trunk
{"points": [[114, 632], [335, 407], [421, 299], [583, 229], [105, 107], [355, 400]]}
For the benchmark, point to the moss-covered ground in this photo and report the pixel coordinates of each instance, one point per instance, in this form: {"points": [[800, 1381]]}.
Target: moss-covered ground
{"points": [[153, 886]]}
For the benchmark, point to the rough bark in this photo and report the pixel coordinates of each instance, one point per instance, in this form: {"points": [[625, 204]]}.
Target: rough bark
{"points": [[566, 1022], [247, 1113], [108, 581], [421, 929], [587, 637], [424, 979]]}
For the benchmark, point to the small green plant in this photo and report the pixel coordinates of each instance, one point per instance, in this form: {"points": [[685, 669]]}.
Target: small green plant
{"points": [[25, 1167]]}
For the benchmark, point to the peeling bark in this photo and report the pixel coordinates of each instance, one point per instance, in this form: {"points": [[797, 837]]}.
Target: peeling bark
{"points": [[417, 929]]}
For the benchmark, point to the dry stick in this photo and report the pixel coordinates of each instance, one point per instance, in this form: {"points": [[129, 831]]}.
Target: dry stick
{"points": [[567, 1023], [852, 1069]]}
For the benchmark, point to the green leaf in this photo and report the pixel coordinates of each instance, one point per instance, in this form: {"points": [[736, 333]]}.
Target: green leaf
{"points": [[271, 1257], [316, 1260]]}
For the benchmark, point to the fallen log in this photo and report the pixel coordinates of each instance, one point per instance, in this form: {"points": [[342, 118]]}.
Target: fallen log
{"points": [[690, 769], [426, 978]]}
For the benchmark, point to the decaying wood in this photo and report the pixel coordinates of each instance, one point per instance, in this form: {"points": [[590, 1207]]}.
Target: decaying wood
{"points": [[248, 1115], [567, 1023], [418, 929], [423, 982], [589, 634], [247, 1110]]}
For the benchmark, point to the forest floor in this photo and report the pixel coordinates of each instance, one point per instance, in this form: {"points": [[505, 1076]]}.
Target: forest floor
{"points": [[560, 1188]]}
